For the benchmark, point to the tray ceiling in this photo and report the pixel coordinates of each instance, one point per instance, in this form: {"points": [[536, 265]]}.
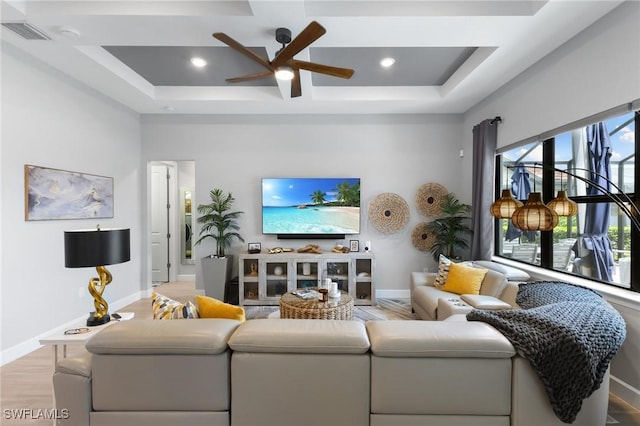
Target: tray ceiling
{"points": [[449, 55]]}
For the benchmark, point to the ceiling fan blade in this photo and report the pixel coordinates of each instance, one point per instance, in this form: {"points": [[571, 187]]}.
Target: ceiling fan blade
{"points": [[240, 48], [296, 88], [322, 69], [311, 33], [248, 77]]}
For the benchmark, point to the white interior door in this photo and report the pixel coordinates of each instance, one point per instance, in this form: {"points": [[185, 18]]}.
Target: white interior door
{"points": [[160, 236]]}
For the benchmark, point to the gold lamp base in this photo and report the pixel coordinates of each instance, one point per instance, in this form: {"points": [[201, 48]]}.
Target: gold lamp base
{"points": [[96, 288]]}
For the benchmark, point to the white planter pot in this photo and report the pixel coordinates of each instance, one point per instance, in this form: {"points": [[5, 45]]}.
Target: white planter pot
{"points": [[215, 272]]}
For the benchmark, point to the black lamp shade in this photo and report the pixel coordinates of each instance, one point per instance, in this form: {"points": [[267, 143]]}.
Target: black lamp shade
{"points": [[94, 247]]}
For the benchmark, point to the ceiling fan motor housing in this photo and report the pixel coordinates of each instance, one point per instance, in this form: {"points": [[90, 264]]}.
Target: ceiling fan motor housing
{"points": [[283, 35]]}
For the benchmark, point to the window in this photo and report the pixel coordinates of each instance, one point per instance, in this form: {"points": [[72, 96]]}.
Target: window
{"points": [[597, 242]]}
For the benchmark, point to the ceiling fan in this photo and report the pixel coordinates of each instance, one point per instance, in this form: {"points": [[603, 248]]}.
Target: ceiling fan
{"points": [[283, 60]]}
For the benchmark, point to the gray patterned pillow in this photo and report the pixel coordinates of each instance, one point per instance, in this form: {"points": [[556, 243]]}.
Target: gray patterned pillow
{"points": [[443, 271], [166, 308]]}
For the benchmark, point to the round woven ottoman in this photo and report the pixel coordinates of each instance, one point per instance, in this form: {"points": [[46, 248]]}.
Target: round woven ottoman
{"points": [[292, 306]]}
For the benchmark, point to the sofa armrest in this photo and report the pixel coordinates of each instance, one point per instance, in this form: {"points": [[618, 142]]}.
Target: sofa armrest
{"points": [[72, 390], [419, 279]]}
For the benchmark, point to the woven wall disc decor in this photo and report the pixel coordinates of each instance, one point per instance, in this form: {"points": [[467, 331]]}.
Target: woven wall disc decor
{"points": [[421, 238], [428, 198], [389, 213]]}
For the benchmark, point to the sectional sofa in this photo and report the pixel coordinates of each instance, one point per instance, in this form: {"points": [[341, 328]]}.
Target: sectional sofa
{"points": [[306, 372]]}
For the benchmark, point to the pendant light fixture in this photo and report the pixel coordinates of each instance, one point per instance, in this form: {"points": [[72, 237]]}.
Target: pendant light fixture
{"points": [[505, 206], [534, 215], [562, 205]]}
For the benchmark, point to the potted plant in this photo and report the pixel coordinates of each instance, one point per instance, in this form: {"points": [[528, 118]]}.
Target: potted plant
{"points": [[220, 223], [451, 229]]}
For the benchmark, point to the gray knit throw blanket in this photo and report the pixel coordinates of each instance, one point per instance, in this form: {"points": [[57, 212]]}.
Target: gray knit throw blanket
{"points": [[569, 335]]}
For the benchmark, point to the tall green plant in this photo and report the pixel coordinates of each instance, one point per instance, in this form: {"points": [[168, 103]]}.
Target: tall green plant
{"points": [[452, 228], [218, 222]]}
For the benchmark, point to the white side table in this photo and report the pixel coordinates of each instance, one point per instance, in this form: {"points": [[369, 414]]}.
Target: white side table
{"points": [[56, 339]]}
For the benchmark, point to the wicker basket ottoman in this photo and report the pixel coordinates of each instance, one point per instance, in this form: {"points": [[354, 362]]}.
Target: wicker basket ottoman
{"points": [[292, 306]]}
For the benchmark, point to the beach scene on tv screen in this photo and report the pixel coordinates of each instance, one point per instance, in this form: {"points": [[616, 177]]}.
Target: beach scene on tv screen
{"points": [[311, 206]]}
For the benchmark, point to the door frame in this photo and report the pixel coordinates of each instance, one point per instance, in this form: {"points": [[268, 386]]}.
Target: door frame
{"points": [[175, 237]]}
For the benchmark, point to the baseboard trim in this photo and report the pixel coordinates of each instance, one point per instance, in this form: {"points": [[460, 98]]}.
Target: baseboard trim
{"points": [[624, 391], [186, 278], [392, 294], [32, 344]]}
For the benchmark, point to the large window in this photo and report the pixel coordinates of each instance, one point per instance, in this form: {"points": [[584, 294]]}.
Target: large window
{"points": [[597, 243]]}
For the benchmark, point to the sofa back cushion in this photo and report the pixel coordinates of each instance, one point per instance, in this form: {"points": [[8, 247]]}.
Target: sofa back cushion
{"points": [[150, 337], [301, 336], [493, 284]]}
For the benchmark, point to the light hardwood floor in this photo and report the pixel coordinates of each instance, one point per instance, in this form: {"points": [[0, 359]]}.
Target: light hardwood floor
{"points": [[26, 382]]}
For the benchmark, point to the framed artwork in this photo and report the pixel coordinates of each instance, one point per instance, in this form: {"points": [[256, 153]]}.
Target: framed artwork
{"points": [[254, 248], [51, 194], [354, 245]]}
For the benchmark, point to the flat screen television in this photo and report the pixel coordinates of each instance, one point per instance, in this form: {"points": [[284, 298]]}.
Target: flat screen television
{"points": [[311, 207]]}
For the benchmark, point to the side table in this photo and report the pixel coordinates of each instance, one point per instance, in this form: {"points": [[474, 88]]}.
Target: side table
{"points": [[59, 338]]}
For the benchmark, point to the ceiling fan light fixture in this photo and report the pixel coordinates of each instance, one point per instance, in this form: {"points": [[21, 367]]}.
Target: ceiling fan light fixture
{"points": [[284, 73], [387, 62], [198, 62]]}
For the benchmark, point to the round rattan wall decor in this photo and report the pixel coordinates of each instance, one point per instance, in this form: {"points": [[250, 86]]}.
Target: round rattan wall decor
{"points": [[428, 198], [389, 213], [421, 238]]}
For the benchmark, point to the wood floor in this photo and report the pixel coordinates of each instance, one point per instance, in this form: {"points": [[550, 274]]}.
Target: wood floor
{"points": [[25, 384]]}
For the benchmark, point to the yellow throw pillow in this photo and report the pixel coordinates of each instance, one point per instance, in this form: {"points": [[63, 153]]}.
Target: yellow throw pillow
{"points": [[208, 307], [464, 279]]}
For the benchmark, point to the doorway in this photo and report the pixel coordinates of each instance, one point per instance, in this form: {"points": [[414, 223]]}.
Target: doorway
{"points": [[171, 188]]}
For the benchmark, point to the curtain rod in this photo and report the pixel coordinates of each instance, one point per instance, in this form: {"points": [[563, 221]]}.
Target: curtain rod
{"points": [[497, 119]]}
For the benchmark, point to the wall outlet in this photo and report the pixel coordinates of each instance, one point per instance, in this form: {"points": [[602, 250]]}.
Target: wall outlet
{"points": [[81, 291]]}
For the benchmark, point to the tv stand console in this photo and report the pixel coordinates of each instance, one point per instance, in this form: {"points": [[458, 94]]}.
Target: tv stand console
{"points": [[264, 278]]}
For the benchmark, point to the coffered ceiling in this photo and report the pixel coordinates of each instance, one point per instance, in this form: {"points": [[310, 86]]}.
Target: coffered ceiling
{"points": [[449, 55]]}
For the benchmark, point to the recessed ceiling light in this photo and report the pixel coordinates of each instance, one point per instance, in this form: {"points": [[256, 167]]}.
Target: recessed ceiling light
{"points": [[198, 62], [387, 62]]}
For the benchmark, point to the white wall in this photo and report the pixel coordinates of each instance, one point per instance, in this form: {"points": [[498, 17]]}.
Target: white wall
{"points": [[597, 70], [49, 120], [389, 153]]}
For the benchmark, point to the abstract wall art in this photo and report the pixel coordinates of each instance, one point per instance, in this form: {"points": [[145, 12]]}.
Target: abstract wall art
{"points": [[59, 194]]}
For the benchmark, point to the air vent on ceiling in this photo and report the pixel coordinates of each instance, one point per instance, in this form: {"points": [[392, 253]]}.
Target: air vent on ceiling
{"points": [[26, 30]]}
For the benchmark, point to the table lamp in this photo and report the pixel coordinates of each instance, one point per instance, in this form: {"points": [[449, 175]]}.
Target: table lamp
{"points": [[97, 247]]}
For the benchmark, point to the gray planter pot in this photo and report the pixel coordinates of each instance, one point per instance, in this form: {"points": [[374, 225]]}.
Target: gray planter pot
{"points": [[215, 273]]}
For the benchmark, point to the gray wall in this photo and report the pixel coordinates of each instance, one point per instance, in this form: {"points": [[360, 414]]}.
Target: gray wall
{"points": [[389, 153], [49, 120], [597, 70]]}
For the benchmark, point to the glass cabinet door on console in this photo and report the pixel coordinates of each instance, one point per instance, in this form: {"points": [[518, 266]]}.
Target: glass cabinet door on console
{"points": [[338, 271], [307, 273], [277, 278], [363, 281], [250, 277]]}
